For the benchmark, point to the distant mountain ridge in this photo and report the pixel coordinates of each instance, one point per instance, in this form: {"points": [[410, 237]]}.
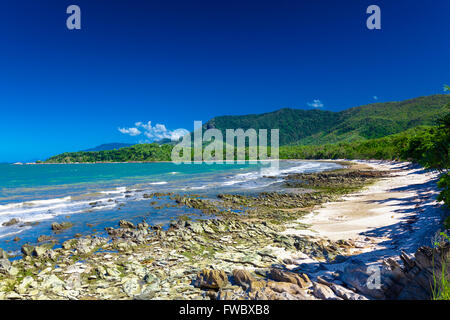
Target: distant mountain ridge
{"points": [[314, 127], [301, 127], [109, 146]]}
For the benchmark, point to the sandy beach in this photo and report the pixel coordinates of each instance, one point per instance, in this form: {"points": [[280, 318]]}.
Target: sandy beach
{"points": [[399, 212]]}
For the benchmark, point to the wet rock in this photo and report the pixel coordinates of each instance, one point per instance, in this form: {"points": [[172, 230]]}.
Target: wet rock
{"points": [[126, 224], [44, 238], [211, 279], [10, 222], [61, 226], [142, 226]]}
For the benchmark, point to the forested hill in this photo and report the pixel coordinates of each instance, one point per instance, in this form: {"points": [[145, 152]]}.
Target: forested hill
{"points": [[360, 123], [109, 146], [337, 133]]}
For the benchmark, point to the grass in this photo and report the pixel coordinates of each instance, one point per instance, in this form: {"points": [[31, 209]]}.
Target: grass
{"points": [[441, 285]]}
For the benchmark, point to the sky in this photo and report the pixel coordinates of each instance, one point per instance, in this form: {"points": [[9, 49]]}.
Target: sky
{"points": [[172, 62]]}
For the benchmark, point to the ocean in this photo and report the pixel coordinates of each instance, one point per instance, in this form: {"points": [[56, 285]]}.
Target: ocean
{"points": [[95, 196]]}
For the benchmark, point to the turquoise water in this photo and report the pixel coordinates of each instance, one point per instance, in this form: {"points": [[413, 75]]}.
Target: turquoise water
{"points": [[94, 196]]}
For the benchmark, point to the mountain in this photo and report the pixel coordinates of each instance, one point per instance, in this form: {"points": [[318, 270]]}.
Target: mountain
{"points": [[314, 127], [355, 131], [109, 146]]}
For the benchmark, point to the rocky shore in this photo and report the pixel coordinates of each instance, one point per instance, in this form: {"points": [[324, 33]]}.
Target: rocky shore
{"points": [[241, 252]]}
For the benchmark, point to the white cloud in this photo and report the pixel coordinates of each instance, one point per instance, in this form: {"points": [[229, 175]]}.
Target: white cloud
{"points": [[154, 133], [315, 104], [131, 131]]}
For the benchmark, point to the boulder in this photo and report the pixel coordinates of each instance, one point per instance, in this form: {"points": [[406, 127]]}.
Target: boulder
{"points": [[356, 275], [5, 265], [44, 238], [52, 282], [211, 279], [3, 254], [126, 224], [10, 222], [27, 249], [415, 278], [324, 292], [300, 279], [61, 226], [39, 251], [243, 278], [132, 287]]}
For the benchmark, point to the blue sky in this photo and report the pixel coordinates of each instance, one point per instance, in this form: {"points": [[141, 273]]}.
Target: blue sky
{"points": [[173, 62]]}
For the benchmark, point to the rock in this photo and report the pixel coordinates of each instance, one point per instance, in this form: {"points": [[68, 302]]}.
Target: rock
{"points": [[211, 279], [195, 226], [61, 226], [44, 238], [126, 224], [356, 275], [142, 226], [208, 229], [13, 296], [26, 282], [414, 280], [10, 222], [287, 287], [5, 265], [345, 293], [302, 280], [3, 254], [243, 278], [27, 249], [39, 251], [52, 282], [132, 287], [323, 292], [69, 244], [226, 295], [13, 271], [147, 294]]}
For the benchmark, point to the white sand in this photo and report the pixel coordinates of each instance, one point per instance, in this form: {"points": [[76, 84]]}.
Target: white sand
{"points": [[397, 212]]}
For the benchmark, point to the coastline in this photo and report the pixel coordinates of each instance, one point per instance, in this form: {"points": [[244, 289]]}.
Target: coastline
{"points": [[205, 259]]}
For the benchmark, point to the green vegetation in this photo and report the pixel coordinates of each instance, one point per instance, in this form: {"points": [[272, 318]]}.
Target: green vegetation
{"points": [[138, 152], [441, 285], [316, 127]]}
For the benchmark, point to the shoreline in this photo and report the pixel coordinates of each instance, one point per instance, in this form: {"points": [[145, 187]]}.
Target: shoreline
{"points": [[270, 247]]}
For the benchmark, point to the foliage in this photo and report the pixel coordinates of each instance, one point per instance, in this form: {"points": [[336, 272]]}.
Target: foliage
{"points": [[139, 152], [317, 127], [441, 285]]}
